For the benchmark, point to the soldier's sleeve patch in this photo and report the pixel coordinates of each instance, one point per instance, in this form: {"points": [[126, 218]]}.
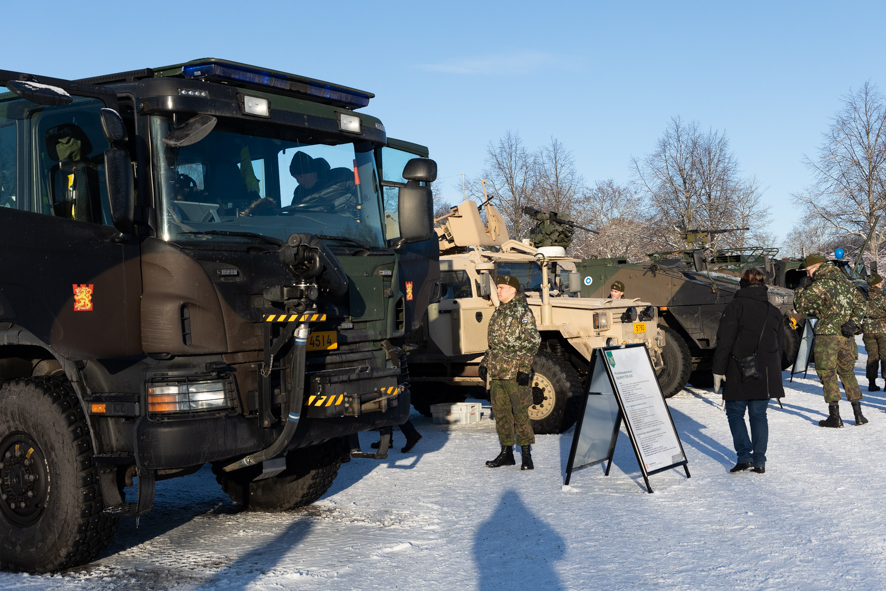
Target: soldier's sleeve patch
{"points": [[525, 320]]}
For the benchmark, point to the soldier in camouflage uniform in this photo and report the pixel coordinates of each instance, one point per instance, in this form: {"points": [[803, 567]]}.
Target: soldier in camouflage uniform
{"points": [[875, 331], [827, 294], [513, 342]]}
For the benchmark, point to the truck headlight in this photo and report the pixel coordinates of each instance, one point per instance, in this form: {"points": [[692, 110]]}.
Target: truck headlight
{"points": [[601, 321], [191, 396]]}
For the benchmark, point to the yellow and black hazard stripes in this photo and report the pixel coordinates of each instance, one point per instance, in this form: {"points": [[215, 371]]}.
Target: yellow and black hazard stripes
{"points": [[293, 317], [320, 400]]}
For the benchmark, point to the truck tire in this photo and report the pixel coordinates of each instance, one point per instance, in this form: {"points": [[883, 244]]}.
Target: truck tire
{"points": [[561, 387], [677, 362], [792, 340], [309, 473], [51, 515], [424, 394]]}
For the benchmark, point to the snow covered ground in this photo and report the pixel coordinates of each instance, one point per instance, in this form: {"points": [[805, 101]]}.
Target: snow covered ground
{"points": [[438, 518]]}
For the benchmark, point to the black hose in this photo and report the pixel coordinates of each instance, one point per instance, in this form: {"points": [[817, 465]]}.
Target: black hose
{"points": [[296, 398]]}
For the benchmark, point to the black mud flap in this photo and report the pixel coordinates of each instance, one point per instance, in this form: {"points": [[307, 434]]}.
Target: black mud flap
{"points": [[111, 493], [384, 443]]}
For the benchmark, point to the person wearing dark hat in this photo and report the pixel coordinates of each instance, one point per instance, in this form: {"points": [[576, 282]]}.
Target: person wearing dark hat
{"points": [[828, 295], [513, 341], [875, 331], [616, 290], [319, 186]]}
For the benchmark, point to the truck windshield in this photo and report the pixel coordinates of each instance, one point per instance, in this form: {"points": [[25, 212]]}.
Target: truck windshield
{"points": [[231, 186]]}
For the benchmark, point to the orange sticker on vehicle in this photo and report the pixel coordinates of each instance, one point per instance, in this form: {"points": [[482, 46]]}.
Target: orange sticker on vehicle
{"points": [[83, 297], [409, 291]]}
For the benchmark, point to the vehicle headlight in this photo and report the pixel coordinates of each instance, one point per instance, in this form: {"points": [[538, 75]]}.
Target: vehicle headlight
{"points": [[190, 397], [629, 315], [601, 321]]}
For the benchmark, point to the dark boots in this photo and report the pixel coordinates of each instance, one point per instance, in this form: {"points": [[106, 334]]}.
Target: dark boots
{"points": [[527, 458], [505, 458], [872, 386], [833, 419], [859, 418]]}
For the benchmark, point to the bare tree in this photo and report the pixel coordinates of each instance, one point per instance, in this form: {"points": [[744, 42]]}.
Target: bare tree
{"points": [[617, 213], [557, 183], [849, 190], [511, 177], [692, 181]]}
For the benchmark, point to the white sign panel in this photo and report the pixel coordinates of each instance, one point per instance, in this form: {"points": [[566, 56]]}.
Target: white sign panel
{"points": [[644, 408]]}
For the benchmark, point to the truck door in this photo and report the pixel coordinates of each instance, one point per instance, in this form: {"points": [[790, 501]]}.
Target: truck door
{"points": [[66, 274], [419, 261]]}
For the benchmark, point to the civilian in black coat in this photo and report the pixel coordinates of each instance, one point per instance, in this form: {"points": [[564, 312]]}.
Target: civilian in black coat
{"points": [[749, 323]]}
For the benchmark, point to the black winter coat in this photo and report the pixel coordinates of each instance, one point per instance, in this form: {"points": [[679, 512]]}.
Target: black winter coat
{"points": [[737, 336]]}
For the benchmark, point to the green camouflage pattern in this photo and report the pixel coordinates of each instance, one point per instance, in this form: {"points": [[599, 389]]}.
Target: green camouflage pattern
{"points": [[510, 405], [513, 340], [836, 355], [875, 344], [831, 298], [875, 315]]}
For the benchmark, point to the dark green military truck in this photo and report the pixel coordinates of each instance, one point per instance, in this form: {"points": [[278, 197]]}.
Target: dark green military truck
{"points": [[194, 268]]}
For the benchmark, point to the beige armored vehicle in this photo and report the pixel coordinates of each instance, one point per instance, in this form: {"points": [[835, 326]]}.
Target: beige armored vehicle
{"points": [[447, 352]]}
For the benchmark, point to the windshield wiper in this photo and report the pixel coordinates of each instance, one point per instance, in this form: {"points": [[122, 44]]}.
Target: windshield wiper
{"points": [[359, 243], [268, 239]]}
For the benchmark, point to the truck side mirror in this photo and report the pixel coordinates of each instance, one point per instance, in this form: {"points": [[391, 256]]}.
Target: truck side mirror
{"points": [[574, 282], [416, 202], [485, 285], [118, 172]]}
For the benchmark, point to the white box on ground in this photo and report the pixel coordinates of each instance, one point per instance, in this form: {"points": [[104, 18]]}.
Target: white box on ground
{"points": [[459, 413]]}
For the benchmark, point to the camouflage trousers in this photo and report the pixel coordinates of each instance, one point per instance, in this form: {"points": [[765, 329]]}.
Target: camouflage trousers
{"points": [[511, 403], [875, 343], [835, 354]]}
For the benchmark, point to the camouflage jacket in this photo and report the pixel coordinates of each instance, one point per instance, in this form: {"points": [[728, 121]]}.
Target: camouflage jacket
{"points": [[513, 340], [875, 317], [831, 298]]}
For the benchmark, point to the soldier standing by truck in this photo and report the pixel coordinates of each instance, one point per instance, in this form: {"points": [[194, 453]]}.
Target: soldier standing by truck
{"points": [[513, 342], [875, 331], [826, 294]]}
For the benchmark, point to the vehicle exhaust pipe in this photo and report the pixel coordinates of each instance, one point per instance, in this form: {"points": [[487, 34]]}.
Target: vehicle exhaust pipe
{"points": [[296, 398]]}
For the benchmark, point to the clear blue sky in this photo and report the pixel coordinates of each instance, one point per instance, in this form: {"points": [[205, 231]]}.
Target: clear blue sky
{"points": [[604, 78]]}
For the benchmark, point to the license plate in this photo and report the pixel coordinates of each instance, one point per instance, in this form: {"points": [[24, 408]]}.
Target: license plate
{"points": [[639, 327], [323, 341]]}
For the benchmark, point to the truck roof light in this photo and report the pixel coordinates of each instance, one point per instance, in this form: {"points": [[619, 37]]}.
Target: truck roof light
{"points": [[349, 123], [232, 72], [256, 106]]}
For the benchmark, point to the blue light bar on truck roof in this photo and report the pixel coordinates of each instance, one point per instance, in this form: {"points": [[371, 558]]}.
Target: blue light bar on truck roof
{"points": [[330, 93]]}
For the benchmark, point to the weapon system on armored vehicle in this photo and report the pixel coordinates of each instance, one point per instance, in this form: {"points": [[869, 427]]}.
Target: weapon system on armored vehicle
{"points": [[453, 339]]}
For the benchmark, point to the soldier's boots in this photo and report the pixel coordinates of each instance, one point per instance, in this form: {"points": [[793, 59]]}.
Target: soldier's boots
{"points": [[527, 458], [872, 386], [833, 419], [505, 458], [859, 418]]}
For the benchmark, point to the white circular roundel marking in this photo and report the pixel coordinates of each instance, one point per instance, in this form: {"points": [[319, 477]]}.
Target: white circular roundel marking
{"points": [[589, 280]]}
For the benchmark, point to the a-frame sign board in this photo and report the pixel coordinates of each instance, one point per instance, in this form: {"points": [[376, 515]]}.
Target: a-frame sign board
{"points": [[801, 363], [624, 387]]}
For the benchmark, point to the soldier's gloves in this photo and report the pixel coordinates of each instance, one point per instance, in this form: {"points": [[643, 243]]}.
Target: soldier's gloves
{"points": [[718, 381], [848, 329], [482, 373], [805, 282], [522, 379]]}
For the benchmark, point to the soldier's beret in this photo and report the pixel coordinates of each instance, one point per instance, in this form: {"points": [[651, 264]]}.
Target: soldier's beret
{"points": [[508, 280], [617, 286], [874, 279], [813, 259]]}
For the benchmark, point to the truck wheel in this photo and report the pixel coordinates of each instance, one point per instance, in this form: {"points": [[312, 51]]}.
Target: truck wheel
{"points": [[792, 340], [424, 394], [561, 387], [309, 473], [51, 510], [677, 362]]}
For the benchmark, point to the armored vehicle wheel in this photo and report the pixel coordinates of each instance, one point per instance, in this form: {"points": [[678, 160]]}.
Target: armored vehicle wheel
{"points": [[424, 394], [51, 510], [561, 387], [792, 340], [677, 362], [308, 475]]}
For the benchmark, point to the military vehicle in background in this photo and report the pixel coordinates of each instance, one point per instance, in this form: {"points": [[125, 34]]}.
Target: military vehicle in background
{"points": [[450, 347], [690, 289]]}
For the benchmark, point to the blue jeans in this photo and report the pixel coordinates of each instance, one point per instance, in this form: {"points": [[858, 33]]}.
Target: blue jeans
{"points": [[753, 448]]}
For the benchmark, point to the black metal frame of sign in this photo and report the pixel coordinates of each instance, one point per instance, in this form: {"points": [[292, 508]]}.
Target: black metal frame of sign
{"points": [[801, 363], [603, 409]]}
